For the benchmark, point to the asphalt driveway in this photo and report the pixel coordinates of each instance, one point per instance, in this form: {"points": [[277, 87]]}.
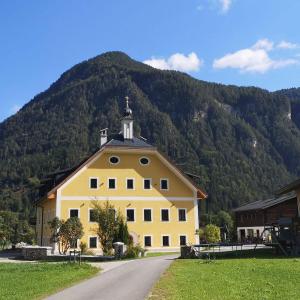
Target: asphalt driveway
{"points": [[129, 281]]}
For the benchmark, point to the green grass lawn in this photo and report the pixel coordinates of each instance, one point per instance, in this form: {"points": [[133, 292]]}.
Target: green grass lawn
{"points": [[34, 280], [244, 278], [153, 254]]}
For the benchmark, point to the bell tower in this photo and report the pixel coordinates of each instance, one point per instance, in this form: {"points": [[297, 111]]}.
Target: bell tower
{"points": [[127, 122]]}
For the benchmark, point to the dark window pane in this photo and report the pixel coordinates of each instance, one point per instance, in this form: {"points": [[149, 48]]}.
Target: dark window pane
{"points": [[165, 215], [93, 242], [130, 215], [164, 184], [93, 183], [182, 240], [144, 161], [130, 184], [112, 183], [147, 241], [114, 160], [166, 241], [147, 215], [147, 184], [181, 215], [93, 215], [74, 213]]}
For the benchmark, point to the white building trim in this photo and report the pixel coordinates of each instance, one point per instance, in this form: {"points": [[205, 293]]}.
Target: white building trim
{"points": [[126, 198], [196, 216]]}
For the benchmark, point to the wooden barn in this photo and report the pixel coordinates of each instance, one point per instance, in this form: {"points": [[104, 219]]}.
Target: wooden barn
{"points": [[274, 221]]}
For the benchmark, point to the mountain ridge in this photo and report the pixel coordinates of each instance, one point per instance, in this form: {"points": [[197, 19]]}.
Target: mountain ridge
{"points": [[242, 141]]}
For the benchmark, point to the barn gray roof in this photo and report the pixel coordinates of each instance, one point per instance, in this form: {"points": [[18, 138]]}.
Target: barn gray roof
{"points": [[290, 187], [263, 204]]}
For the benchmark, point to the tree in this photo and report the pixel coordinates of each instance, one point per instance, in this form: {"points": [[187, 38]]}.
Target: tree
{"points": [[122, 234], [111, 227], [14, 230], [65, 233], [212, 233], [224, 220]]}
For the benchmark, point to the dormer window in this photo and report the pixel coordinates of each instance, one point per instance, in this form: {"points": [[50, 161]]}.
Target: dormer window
{"points": [[144, 161], [114, 160]]}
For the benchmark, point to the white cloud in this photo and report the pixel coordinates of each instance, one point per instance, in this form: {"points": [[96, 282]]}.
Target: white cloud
{"points": [[255, 59], [286, 45], [263, 44], [225, 5], [177, 61], [15, 108]]}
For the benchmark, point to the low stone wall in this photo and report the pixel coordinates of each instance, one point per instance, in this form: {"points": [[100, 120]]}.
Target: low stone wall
{"points": [[187, 252], [36, 252]]}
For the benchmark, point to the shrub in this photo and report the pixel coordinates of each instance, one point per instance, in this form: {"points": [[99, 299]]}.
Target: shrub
{"points": [[83, 247], [65, 232], [134, 251], [212, 233], [201, 234], [111, 227]]}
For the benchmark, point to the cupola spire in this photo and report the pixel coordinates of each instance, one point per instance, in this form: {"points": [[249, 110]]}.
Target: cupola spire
{"points": [[127, 121]]}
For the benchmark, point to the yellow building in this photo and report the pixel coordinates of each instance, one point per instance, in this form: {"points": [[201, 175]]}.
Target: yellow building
{"points": [[159, 201]]}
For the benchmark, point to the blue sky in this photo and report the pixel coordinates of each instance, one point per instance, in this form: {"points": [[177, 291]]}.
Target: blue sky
{"points": [[241, 42]]}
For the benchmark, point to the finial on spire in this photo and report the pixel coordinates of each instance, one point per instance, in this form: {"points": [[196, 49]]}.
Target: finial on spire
{"points": [[127, 111]]}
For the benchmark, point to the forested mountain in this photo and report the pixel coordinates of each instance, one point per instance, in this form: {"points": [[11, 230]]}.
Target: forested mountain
{"points": [[243, 142]]}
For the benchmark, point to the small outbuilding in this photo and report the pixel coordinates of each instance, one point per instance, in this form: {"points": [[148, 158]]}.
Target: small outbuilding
{"points": [[275, 221]]}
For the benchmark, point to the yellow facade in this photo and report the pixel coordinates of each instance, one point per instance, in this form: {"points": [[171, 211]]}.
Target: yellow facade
{"points": [[76, 193]]}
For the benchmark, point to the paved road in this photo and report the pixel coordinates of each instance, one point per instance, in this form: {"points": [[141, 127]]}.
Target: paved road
{"points": [[130, 281]]}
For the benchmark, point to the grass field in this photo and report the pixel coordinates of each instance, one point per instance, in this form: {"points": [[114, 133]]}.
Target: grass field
{"points": [[32, 281], [244, 278], [154, 254]]}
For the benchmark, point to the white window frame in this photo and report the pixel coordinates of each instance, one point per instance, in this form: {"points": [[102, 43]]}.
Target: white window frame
{"points": [[97, 242], [133, 179], [168, 214], [186, 238], [90, 216], [162, 240], [150, 179], [151, 215], [182, 208], [115, 183], [134, 214], [90, 178], [149, 161], [168, 183], [115, 163], [71, 208], [148, 235]]}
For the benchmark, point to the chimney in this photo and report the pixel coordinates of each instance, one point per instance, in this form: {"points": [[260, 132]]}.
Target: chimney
{"points": [[103, 136]]}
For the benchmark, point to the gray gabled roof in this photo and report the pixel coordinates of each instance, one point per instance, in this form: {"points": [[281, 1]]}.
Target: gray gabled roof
{"points": [[119, 141], [263, 204], [290, 187]]}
